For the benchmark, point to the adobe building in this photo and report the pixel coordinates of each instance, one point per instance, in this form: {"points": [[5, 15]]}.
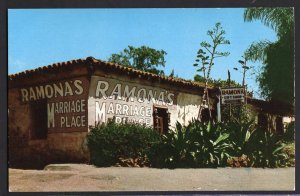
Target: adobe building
{"points": [[51, 108], [271, 115]]}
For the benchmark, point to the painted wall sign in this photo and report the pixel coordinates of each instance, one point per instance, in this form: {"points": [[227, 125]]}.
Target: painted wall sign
{"points": [[233, 95], [60, 89], [126, 101], [66, 103], [123, 112], [71, 114], [126, 92]]}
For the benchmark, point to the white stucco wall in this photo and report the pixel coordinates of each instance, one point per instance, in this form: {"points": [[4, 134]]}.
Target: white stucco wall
{"points": [[187, 108], [182, 106]]}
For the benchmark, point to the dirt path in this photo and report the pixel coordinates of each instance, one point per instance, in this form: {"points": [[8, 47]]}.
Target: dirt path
{"points": [[80, 177]]}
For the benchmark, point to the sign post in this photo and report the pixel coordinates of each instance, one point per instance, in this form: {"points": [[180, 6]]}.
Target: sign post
{"points": [[219, 106]]}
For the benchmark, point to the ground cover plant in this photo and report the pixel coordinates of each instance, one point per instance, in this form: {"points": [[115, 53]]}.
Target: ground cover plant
{"points": [[255, 147], [197, 145]]}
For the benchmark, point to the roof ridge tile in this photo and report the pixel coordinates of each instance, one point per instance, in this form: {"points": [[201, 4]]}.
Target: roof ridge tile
{"points": [[45, 68], [107, 64]]}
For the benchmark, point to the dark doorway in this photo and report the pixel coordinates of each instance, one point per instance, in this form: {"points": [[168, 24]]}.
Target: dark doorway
{"points": [[39, 120], [263, 121], [160, 118], [279, 125], [205, 115]]}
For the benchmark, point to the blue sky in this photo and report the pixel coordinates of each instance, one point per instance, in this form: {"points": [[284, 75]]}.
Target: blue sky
{"points": [[39, 37]]}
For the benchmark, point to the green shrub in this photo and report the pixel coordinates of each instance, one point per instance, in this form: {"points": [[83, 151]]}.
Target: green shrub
{"points": [[243, 114], [237, 143], [196, 145], [109, 142]]}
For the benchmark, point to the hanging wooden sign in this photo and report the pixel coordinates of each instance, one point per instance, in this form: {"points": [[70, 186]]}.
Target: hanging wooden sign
{"points": [[233, 95]]}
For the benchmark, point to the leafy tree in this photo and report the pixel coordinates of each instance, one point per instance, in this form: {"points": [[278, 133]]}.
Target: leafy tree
{"points": [[143, 58], [206, 56], [219, 82], [276, 79]]}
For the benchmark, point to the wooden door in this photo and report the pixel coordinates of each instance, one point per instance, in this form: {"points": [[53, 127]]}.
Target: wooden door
{"points": [[160, 118]]}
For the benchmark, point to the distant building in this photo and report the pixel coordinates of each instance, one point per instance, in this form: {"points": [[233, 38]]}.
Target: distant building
{"points": [[273, 116]]}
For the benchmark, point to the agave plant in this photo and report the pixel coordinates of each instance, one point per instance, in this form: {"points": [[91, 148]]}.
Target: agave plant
{"points": [[197, 145], [212, 145], [173, 150], [262, 148], [240, 134], [209, 144], [267, 150]]}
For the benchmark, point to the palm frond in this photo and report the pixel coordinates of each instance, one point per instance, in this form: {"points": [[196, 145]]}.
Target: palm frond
{"points": [[257, 51], [279, 19]]}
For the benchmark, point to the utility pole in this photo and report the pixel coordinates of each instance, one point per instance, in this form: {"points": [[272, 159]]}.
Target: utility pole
{"points": [[219, 106]]}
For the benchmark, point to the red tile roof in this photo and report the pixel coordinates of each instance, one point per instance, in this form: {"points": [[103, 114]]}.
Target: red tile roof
{"points": [[106, 66], [47, 68], [273, 107], [98, 64]]}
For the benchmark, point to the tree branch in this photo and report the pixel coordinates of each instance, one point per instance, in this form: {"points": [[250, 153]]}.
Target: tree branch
{"points": [[219, 56], [207, 50]]}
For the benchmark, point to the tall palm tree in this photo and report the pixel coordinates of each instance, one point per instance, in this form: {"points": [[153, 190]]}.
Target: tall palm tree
{"points": [[279, 19], [276, 79]]}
